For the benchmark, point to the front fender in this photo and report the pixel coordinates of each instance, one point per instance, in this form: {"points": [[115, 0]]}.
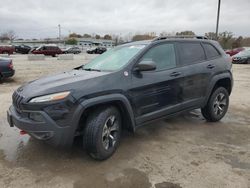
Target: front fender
{"points": [[102, 100]]}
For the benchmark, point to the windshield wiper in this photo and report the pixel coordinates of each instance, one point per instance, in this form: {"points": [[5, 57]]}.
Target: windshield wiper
{"points": [[90, 69]]}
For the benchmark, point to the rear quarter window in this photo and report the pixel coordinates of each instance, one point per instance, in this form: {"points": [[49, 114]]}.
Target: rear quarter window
{"points": [[191, 53], [211, 51]]}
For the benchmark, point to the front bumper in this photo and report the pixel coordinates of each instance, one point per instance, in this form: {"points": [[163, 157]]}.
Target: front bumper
{"points": [[8, 74], [239, 61], [46, 130]]}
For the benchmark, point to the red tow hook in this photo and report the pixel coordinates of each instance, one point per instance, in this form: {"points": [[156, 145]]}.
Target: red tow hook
{"points": [[23, 132]]}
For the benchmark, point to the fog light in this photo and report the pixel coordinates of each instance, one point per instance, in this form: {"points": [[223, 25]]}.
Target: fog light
{"points": [[36, 116]]}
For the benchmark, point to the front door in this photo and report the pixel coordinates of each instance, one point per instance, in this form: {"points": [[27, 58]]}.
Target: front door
{"points": [[157, 93]]}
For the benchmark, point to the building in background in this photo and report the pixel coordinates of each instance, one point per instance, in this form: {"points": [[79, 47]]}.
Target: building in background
{"points": [[81, 42], [89, 42], [38, 42]]}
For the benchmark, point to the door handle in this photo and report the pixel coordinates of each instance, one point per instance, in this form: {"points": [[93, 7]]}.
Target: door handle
{"points": [[210, 66], [175, 74]]}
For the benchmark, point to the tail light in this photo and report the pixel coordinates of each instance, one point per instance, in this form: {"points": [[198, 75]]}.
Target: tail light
{"points": [[11, 65]]}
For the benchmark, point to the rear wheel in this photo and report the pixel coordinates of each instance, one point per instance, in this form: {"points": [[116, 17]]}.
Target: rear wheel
{"points": [[217, 105], [102, 132]]}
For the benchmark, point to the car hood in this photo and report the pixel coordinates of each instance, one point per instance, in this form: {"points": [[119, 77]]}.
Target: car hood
{"points": [[59, 82], [242, 54]]}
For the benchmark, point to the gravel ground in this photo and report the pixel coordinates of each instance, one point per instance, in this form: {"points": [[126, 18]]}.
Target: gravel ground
{"points": [[184, 151]]}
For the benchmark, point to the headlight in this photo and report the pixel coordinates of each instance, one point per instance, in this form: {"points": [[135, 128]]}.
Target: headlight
{"points": [[51, 97]]}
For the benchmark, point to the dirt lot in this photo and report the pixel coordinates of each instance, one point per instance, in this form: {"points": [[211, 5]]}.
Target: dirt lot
{"points": [[184, 151]]}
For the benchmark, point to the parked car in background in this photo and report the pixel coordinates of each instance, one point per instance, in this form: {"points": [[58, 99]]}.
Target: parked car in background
{"points": [[242, 57], [6, 68], [96, 50], [33, 48], [7, 49], [51, 50], [234, 51], [72, 50], [22, 49]]}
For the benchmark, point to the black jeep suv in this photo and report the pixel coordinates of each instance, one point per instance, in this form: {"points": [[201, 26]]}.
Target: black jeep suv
{"points": [[124, 88]]}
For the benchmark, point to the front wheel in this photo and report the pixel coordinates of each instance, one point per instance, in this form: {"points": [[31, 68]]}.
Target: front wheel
{"points": [[217, 105], [102, 133]]}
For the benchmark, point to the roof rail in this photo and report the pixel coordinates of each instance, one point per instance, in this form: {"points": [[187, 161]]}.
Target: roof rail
{"points": [[180, 37]]}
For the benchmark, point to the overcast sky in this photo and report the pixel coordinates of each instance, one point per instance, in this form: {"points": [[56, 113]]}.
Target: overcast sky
{"points": [[40, 18]]}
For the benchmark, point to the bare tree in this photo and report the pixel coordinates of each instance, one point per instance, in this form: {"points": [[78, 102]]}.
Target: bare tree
{"points": [[4, 37], [75, 35], [185, 33], [86, 35], [8, 36], [226, 39], [11, 35], [211, 35], [145, 36], [97, 36], [107, 37]]}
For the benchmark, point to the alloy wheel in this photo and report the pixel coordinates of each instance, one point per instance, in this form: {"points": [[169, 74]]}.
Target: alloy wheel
{"points": [[220, 104], [109, 133]]}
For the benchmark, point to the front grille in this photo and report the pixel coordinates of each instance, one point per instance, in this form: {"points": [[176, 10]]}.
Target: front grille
{"points": [[17, 100]]}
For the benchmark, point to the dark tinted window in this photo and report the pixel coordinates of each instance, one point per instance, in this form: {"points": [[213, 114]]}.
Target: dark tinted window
{"points": [[163, 55], [210, 51], [191, 53], [48, 48]]}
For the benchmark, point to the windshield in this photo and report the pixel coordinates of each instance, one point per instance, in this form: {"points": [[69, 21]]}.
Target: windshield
{"points": [[114, 59], [40, 47]]}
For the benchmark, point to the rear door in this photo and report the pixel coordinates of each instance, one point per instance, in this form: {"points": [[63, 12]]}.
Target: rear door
{"points": [[46, 50], [197, 73], [52, 50], [157, 93]]}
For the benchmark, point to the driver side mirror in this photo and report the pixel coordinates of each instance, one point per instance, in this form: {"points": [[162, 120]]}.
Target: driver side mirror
{"points": [[145, 65]]}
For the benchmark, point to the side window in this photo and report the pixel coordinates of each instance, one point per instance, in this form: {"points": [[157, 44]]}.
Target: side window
{"points": [[163, 55], [191, 53], [211, 51]]}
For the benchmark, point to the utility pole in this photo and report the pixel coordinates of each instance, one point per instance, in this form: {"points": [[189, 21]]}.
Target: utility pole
{"points": [[59, 32], [218, 19]]}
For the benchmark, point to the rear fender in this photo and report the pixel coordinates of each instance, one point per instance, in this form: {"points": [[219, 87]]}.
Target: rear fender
{"points": [[213, 82]]}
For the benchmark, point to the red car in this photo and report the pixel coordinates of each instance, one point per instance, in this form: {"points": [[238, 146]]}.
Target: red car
{"points": [[6, 68], [51, 50], [234, 51], [7, 49]]}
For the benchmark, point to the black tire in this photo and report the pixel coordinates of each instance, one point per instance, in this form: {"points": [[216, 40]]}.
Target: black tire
{"points": [[248, 61], [217, 105], [99, 140]]}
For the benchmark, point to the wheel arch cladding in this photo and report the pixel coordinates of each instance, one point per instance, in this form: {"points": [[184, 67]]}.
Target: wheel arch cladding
{"points": [[117, 100], [222, 80]]}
